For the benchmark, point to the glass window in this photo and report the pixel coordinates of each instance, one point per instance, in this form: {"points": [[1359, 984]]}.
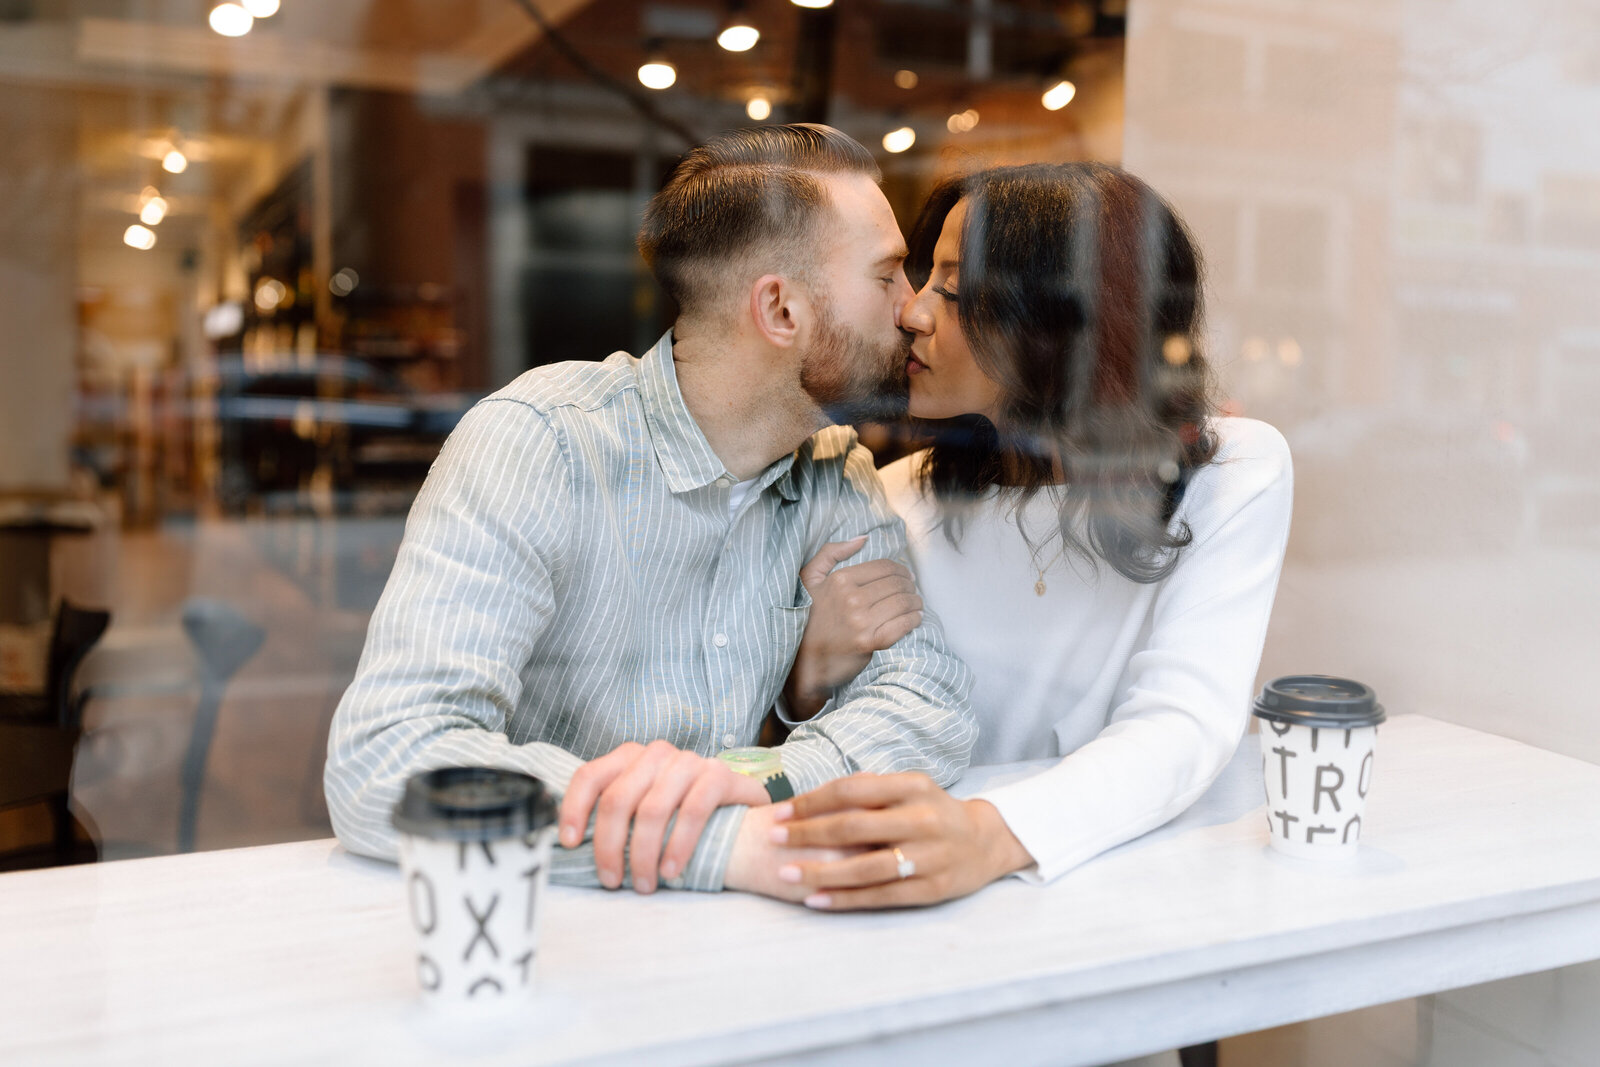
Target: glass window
{"points": [[249, 284]]}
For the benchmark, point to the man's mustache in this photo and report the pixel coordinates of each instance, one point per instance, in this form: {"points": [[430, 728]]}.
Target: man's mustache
{"points": [[889, 397]]}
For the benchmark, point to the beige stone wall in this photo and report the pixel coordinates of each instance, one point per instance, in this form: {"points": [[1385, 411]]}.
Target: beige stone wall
{"points": [[1400, 201]]}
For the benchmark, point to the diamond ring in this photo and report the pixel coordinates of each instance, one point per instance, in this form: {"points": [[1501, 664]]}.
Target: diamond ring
{"points": [[906, 867]]}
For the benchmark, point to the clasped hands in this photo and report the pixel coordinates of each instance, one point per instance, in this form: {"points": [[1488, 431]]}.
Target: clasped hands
{"points": [[832, 848], [635, 791]]}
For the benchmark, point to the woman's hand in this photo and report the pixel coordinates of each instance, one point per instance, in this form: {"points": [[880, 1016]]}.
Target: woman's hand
{"points": [[754, 865], [955, 846], [855, 611]]}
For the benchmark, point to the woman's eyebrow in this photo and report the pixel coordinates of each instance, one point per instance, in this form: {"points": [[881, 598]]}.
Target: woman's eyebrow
{"points": [[948, 264]]}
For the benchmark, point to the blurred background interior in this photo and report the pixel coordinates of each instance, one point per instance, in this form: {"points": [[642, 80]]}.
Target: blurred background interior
{"points": [[256, 259]]}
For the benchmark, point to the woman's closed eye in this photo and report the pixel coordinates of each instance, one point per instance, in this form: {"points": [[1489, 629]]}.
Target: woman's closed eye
{"points": [[948, 294]]}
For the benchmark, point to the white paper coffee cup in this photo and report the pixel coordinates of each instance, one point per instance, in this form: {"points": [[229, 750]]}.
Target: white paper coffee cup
{"points": [[1318, 745], [475, 848]]}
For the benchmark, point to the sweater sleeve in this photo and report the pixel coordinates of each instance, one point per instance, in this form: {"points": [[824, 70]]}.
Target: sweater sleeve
{"points": [[1185, 694]]}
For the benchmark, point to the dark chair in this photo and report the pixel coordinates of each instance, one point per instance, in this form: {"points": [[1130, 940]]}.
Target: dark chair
{"points": [[224, 641], [39, 737]]}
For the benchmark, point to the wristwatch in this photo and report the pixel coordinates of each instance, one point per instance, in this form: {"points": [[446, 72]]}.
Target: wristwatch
{"points": [[765, 765]]}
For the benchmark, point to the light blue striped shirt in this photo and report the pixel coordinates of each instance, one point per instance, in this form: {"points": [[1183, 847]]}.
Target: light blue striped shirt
{"points": [[571, 579]]}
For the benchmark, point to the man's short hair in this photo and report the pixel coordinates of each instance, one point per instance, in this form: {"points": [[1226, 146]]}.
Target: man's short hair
{"points": [[750, 192]]}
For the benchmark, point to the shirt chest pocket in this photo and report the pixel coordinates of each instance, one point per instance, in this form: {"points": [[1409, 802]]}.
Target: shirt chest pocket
{"points": [[785, 625]]}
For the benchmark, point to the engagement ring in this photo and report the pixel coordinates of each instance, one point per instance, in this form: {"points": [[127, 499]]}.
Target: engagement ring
{"points": [[906, 867]]}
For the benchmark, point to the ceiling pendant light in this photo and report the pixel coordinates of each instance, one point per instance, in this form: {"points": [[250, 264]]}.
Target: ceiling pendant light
{"points": [[656, 72], [152, 210], [737, 34], [1058, 95], [962, 121], [898, 140], [261, 9], [140, 237], [231, 20], [815, 5], [759, 107]]}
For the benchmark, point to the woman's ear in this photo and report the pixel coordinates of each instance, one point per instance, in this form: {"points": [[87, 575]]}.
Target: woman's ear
{"points": [[778, 310]]}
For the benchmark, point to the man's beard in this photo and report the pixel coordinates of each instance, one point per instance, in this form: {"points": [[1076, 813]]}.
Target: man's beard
{"points": [[853, 379]]}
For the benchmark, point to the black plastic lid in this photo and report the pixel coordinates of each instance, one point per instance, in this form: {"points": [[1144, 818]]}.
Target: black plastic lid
{"points": [[473, 804], [1320, 700]]}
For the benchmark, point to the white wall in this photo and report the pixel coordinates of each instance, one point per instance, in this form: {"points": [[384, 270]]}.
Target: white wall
{"points": [[1400, 201], [1401, 205]]}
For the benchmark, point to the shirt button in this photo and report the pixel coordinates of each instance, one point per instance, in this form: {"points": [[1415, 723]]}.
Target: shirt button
{"points": [[721, 640], [725, 481], [728, 740]]}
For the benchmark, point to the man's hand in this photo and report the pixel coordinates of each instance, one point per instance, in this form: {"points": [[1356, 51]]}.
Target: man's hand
{"points": [[756, 861], [957, 846], [644, 785], [855, 611]]}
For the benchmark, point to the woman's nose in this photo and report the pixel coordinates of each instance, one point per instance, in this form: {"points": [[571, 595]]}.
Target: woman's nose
{"points": [[915, 315]]}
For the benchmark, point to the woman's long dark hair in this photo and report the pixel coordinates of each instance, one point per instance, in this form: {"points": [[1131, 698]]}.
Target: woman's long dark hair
{"points": [[1079, 296]]}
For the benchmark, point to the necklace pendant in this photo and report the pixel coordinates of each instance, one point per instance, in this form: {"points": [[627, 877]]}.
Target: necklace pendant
{"points": [[1038, 587]]}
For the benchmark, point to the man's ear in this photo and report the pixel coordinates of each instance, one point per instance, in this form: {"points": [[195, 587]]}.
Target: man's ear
{"points": [[778, 310]]}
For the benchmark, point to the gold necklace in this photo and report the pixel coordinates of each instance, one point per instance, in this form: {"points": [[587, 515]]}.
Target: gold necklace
{"points": [[1039, 586]]}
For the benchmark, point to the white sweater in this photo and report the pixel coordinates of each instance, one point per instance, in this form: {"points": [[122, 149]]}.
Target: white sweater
{"points": [[1143, 690]]}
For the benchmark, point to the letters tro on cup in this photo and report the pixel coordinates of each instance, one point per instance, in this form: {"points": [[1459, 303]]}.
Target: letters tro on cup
{"points": [[1318, 744]]}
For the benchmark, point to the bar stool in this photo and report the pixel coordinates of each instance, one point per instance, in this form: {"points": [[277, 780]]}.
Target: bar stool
{"points": [[224, 641]]}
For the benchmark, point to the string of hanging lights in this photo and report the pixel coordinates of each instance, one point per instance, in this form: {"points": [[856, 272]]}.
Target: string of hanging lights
{"points": [[737, 33]]}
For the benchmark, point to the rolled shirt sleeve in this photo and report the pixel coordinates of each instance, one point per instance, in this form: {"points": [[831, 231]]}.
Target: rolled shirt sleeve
{"points": [[909, 708]]}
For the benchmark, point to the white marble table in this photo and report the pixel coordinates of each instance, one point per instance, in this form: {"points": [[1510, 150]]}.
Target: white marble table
{"points": [[1482, 861]]}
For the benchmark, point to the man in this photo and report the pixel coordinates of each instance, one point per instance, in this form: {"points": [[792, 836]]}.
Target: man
{"points": [[604, 563]]}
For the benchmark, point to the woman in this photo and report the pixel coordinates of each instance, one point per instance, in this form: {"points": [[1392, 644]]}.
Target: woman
{"points": [[1099, 547]]}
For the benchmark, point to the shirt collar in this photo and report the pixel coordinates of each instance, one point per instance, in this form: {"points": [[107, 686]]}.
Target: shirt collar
{"points": [[686, 457], [684, 453], [785, 480]]}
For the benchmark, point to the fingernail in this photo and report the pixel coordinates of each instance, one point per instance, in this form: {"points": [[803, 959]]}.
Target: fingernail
{"points": [[569, 837], [669, 869], [819, 900], [778, 835], [609, 879], [641, 886], [788, 873], [783, 811]]}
